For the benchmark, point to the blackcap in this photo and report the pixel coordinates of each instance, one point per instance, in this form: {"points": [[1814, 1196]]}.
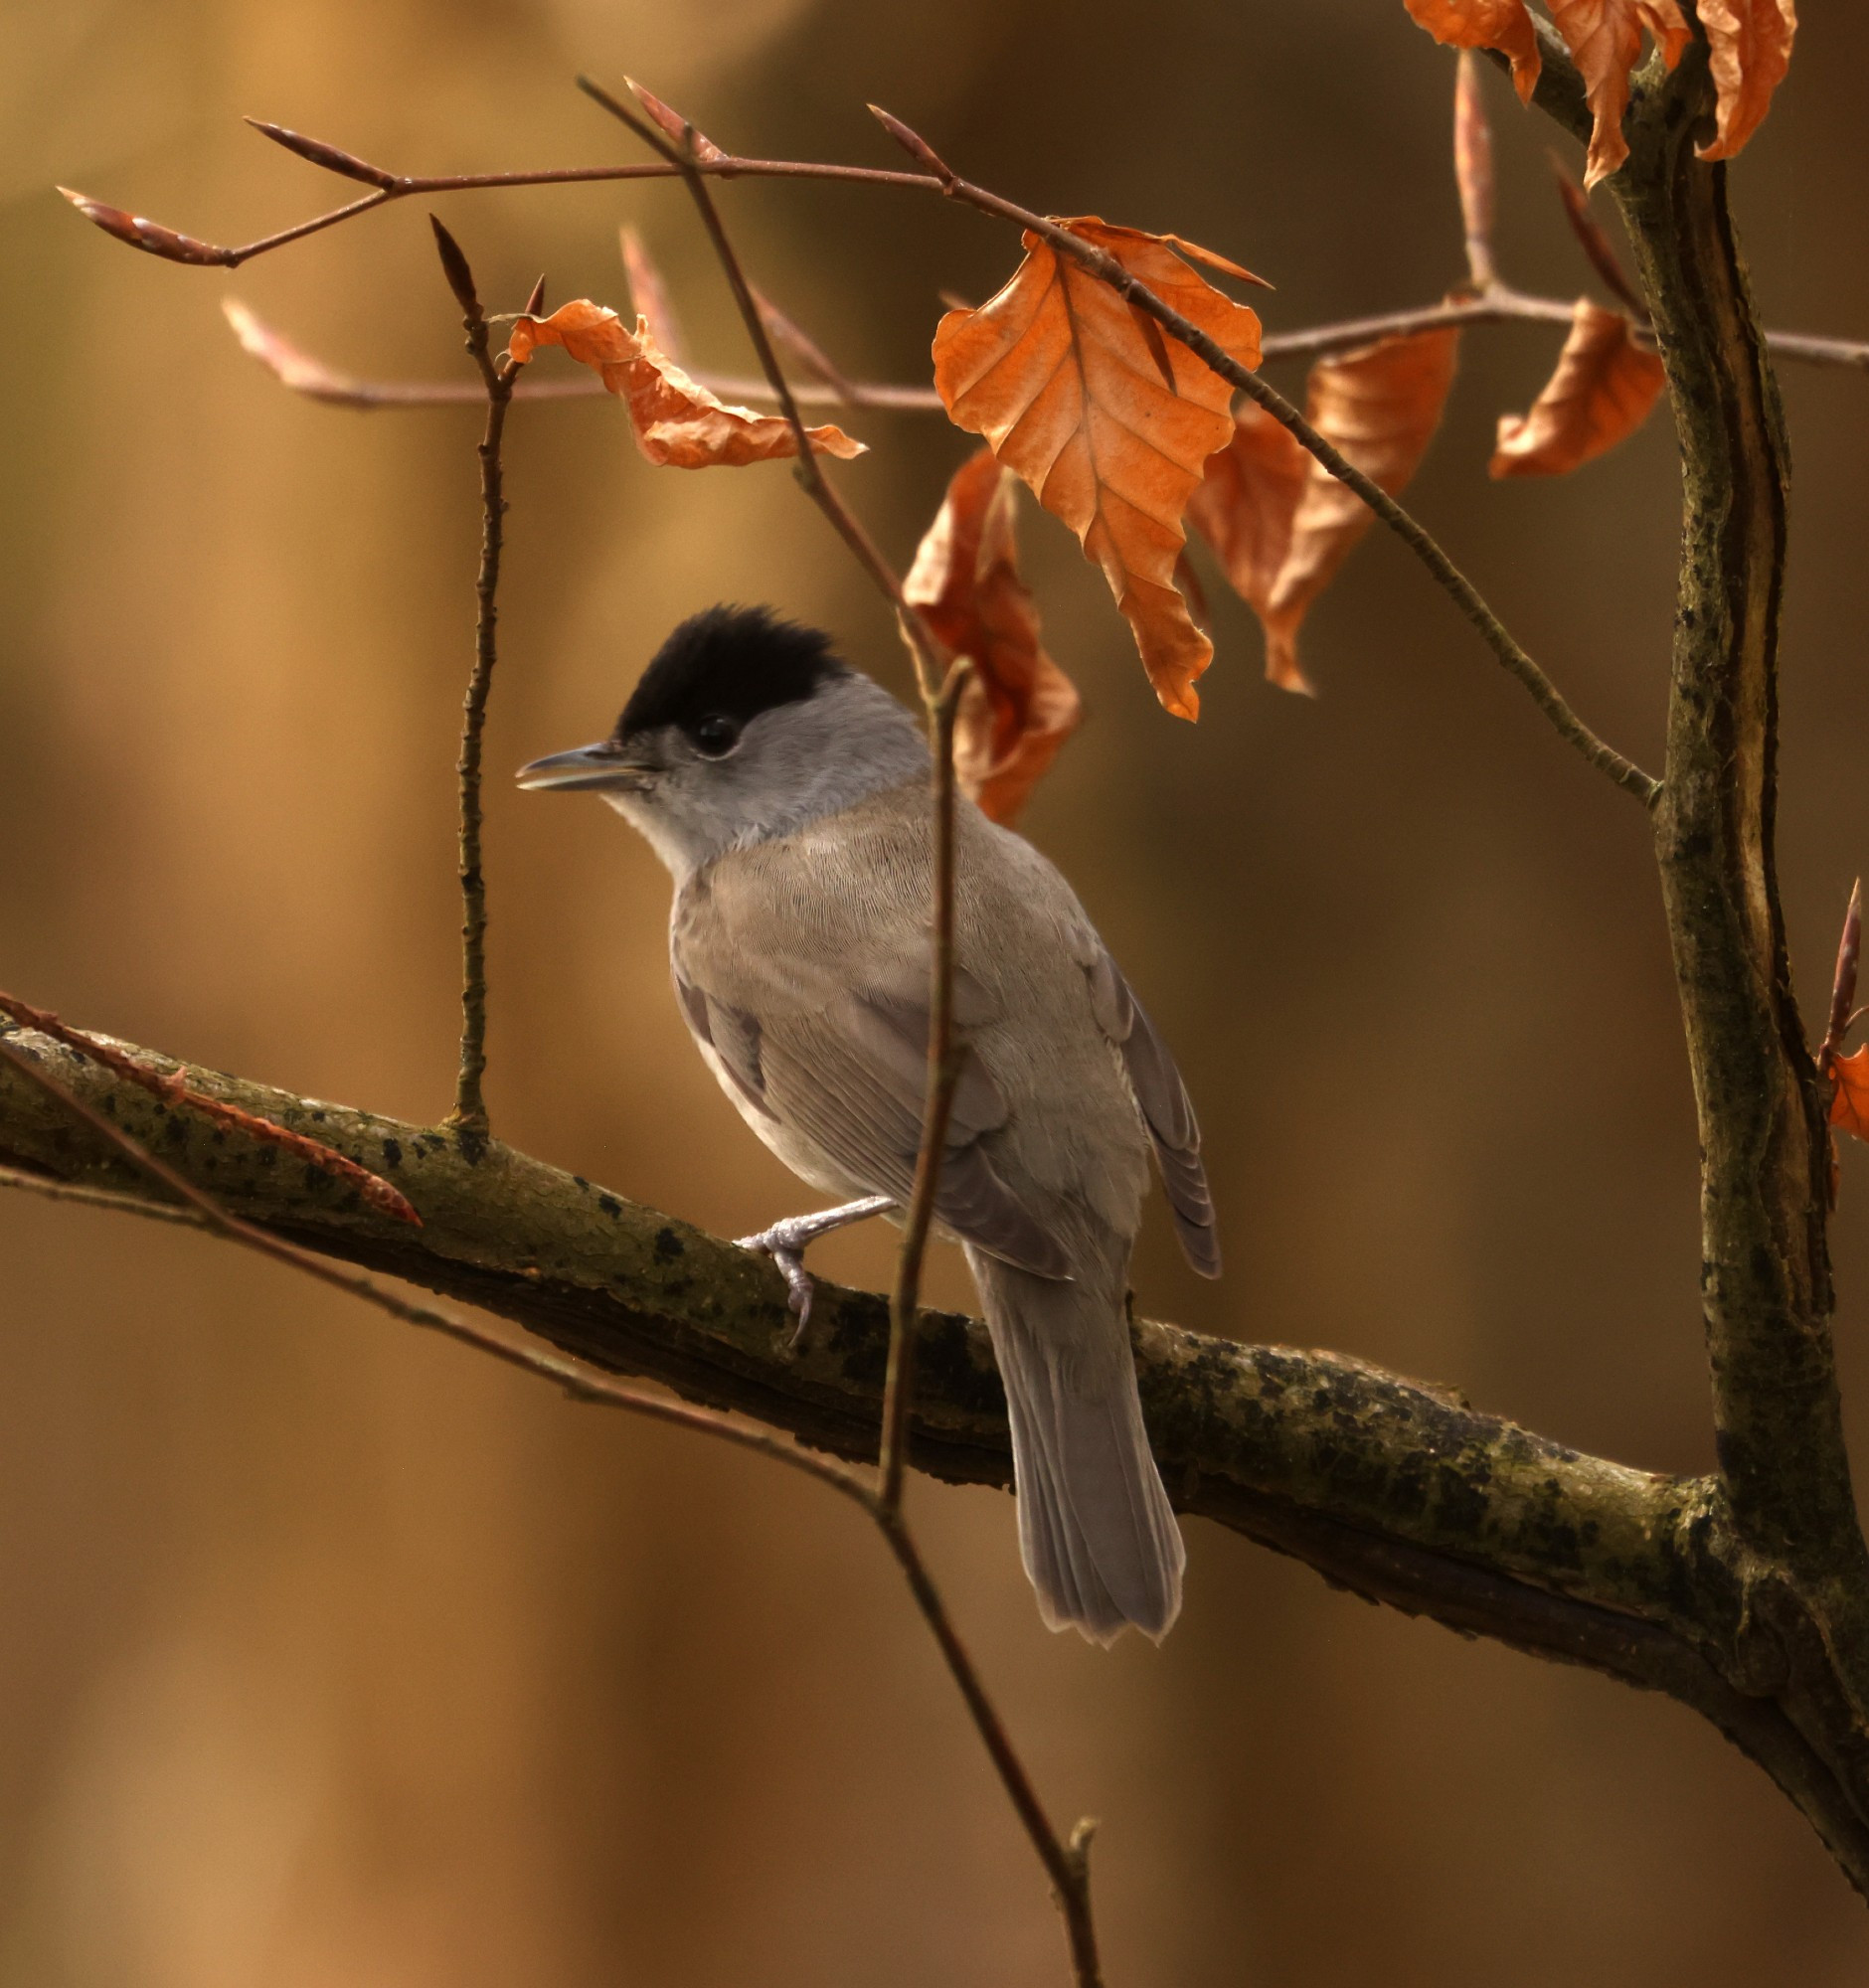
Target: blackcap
{"points": [[789, 796]]}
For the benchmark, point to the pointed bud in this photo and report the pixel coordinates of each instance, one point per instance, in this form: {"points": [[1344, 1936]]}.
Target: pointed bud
{"points": [[535, 304], [149, 234], [460, 279], [917, 146], [320, 154], [695, 143]]}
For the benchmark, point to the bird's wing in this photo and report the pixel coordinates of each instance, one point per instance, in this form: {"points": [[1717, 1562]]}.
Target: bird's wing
{"points": [[846, 1065], [1166, 1108]]}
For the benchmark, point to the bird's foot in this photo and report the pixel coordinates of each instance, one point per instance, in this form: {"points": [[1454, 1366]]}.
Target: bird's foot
{"points": [[786, 1242]]}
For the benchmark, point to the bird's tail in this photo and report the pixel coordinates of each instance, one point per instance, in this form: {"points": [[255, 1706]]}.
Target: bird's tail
{"points": [[1095, 1531]]}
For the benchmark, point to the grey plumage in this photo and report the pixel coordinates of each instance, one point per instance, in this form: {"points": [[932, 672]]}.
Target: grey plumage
{"points": [[801, 855]]}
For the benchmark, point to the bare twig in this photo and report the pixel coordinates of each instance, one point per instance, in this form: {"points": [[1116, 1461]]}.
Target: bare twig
{"points": [[1473, 170], [695, 165], [172, 1089], [945, 1056], [807, 350], [1066, 1869], [388, 187], [1064, 1865], [306, 374], [468, 1119], [582, 1383], [98, 1197], [925, 650]]}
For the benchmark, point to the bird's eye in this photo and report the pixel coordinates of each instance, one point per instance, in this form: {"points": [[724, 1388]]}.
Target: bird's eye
{"points": [[716, 736]]}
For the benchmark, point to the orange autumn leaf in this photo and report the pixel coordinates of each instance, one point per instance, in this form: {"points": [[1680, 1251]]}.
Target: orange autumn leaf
{"points": [[1503, 25], [1849, 1101], [1279, 522], [1107, 419], [677, 424], [1605, 38], [1749, 49], [1600, 395], [1018, 706]]}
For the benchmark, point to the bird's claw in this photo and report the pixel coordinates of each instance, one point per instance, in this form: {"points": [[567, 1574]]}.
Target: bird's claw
{"points": [[785, 1246]]}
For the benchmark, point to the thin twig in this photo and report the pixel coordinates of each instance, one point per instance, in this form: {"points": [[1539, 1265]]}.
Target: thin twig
{"points": [[98, 1197], [1473, 170], [810, 353], [688, 160], [922, 648], [944, 1072], [1065, 1863], [1105, 266], [172, 1088], [582, 1383], [1062, 1862], [468, 1119], [306, 374], [173, 246]]}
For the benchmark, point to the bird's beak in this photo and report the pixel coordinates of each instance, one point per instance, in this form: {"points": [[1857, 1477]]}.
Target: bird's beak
{"points": [[604, 764]]}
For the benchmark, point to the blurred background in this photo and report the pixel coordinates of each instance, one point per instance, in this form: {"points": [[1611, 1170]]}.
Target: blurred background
{"points": [[332, 1656]]}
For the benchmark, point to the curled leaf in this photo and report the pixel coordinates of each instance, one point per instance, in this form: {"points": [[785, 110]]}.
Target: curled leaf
{"points": [[1605, 38], [1017, 706], [1849, 1101], [677, 423], [1069, 392], [1279, 522], [1749, 49], [1600, 395], [1501, 25]]}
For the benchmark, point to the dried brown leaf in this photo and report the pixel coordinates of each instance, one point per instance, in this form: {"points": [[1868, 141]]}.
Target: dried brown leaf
{"points": [[1749, 49], [1605, 38], [1017, 706], [1065, 389], [1279, 522], [1503, 25], [677, 423], [1600, 395], [1849, 1101]]}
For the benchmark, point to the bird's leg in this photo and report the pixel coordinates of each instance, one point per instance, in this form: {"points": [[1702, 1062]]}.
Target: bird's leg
{"points": [[786, 1244]]}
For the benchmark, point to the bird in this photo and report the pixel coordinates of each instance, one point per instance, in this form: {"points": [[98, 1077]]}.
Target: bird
{"points": [[787, 794]]}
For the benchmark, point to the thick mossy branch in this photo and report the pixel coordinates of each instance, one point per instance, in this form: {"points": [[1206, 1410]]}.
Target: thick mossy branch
{"points": [[1764, 1268], [1396, 1490]]}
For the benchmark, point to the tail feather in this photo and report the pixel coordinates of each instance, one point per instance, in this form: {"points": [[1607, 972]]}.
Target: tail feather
{"points": [[1096, 1530]]}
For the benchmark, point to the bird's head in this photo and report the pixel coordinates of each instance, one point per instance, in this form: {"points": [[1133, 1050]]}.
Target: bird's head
{"points": [[744, 725]]}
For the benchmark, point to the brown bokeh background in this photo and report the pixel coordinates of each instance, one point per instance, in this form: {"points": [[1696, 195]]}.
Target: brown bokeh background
{"points": [[332, 1656]]}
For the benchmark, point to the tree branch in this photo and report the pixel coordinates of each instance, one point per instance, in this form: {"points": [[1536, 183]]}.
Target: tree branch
{"points": [[1397, 1490], [1765, 1274]]}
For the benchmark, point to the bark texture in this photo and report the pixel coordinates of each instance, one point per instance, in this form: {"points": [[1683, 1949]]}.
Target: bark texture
{"points": [[1395, 1489]]}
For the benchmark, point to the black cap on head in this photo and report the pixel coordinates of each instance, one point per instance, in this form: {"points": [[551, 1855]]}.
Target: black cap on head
{"points": [[728, 662]]}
